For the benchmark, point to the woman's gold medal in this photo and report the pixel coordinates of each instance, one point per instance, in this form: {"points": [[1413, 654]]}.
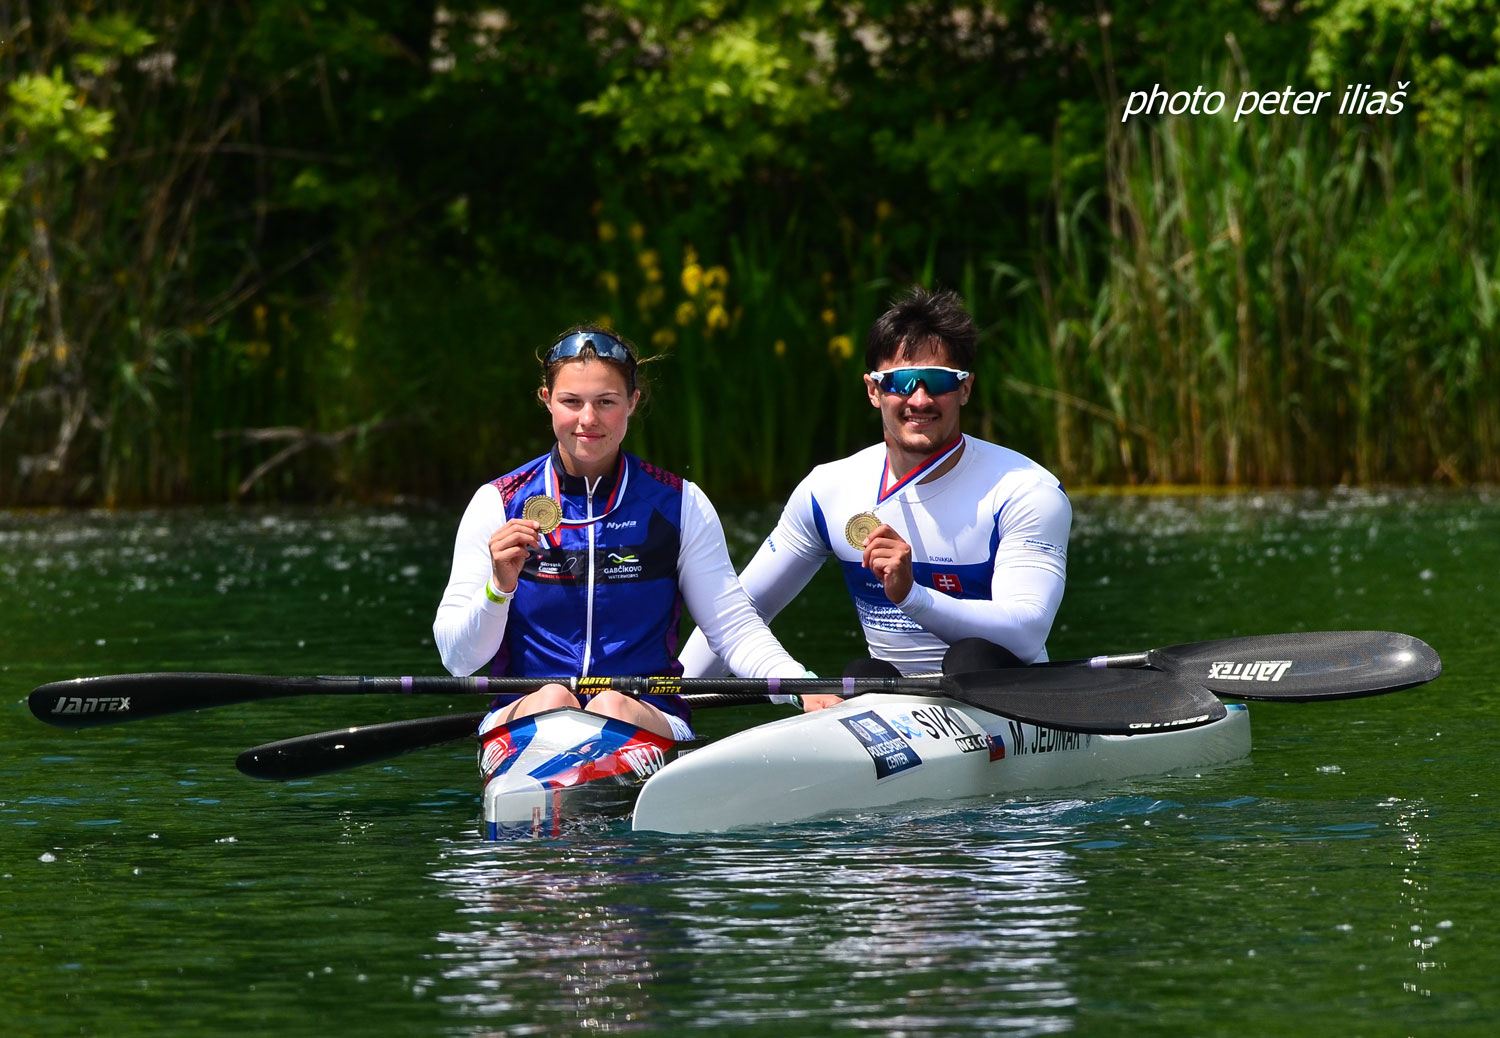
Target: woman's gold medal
{"points": [[543, 511], [858, 529]]}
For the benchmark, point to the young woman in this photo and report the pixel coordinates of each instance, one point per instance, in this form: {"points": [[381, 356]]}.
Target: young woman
{"points": [[578, 562]]}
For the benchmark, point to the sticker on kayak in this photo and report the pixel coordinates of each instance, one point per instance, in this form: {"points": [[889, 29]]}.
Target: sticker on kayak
{"points": [[890, 752]]}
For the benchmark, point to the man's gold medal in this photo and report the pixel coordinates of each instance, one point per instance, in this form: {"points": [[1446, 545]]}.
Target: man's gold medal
{"points": [[858, 529], [543, 511]]}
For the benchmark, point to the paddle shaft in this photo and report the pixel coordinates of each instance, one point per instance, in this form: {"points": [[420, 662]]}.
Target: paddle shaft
{"points": [[114, 699]]}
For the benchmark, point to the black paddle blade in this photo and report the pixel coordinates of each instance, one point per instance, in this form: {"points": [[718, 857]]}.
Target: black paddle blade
{"points": [[1309, 666], [1098, 702], [117, 698], [308, 755]]}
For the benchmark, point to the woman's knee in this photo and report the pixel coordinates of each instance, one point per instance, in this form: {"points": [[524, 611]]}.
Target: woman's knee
{"points": [[612, 703], [548, 697]]}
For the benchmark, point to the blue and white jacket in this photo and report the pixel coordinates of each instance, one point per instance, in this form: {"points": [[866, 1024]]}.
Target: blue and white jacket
{"points": [[605, 594]]}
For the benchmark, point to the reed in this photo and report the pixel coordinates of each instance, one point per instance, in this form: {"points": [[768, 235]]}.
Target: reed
{"points": [[757, 346], [1278, 301]]}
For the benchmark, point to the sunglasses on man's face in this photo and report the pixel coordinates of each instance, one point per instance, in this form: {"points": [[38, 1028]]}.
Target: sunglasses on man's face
{"points": [[603, 345], [903, 381]]}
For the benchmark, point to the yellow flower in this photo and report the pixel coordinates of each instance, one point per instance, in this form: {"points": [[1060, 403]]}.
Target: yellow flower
{"points": [[779, 348], [609, 282], [882, 210], [649, 297], [606, 231], [685, 313], [717, 317], [716, 277], [664, 338], [689, 255], [650, 264], [637, 232], [692, 279], [714, 297], [829, 317], [841, 347]]}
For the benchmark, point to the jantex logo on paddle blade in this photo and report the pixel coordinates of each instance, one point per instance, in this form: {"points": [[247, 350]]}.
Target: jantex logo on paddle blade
{"points": [[1260, 670], [91, 705]]}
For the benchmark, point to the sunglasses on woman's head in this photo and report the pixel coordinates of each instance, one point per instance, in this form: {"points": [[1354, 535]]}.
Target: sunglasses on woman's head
{"points": [[903, 381], [602, 343]]}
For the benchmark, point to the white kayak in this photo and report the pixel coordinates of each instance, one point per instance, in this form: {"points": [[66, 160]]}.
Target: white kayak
{"points": [[880, 750], [544, 771]]}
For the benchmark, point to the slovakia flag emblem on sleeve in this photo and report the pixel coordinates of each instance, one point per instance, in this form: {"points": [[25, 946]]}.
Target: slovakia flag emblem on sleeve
{"points": [[947, 582]]}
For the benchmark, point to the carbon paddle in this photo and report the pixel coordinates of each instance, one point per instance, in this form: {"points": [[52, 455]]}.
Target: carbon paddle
{"points": [[1306, 667]]}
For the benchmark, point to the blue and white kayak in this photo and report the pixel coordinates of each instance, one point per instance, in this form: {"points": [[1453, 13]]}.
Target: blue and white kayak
{"points": [[880, 750], [546, 770]]}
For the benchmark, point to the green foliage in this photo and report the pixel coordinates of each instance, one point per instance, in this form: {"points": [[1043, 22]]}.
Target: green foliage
{"points": [[1448, 50], [702, 91], [310, 250], [47, 115]]}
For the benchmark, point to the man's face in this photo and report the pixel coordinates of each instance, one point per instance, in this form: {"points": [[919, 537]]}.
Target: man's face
{"points": [[919, 422]]}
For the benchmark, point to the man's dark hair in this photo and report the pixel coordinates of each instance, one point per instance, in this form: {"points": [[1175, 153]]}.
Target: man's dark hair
{"points": [[920, 318]]}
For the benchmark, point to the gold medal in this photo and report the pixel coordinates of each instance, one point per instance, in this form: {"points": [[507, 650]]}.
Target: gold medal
{"points": [[858, 529], [543, 511]]}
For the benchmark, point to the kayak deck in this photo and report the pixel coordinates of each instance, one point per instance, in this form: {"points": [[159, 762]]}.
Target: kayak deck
{"points": [[547, 770], [880, 750]]}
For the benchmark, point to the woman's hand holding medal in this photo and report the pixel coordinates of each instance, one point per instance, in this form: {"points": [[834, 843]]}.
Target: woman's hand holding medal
{"points": [[513, 542], [509, 547]]}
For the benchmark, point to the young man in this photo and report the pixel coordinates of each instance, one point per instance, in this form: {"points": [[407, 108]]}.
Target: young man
{"points": [[941, 537]]}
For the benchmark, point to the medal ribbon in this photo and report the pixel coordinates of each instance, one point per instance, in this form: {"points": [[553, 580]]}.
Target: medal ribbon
{"points": [[554, 491], [933, 460]]}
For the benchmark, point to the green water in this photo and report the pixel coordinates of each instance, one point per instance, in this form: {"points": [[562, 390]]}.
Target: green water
{"points": [[1341, 880]]}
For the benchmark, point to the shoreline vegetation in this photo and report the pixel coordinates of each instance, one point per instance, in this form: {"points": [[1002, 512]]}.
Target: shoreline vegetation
{"points": [[277, 254]]}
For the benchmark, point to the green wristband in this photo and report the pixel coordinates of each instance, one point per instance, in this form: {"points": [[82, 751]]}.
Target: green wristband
{"points": [[498, 597]]}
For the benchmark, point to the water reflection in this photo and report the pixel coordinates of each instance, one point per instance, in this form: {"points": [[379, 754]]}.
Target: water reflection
{"points": [[1410, 819], [898, 924], [555, 932]]}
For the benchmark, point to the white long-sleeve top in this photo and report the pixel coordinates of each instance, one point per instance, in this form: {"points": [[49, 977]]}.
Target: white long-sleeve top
{"points": [[469, 626], [989, 553]]}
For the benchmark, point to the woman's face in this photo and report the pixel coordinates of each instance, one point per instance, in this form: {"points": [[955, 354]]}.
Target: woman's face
{"points": [[590, 412]]}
